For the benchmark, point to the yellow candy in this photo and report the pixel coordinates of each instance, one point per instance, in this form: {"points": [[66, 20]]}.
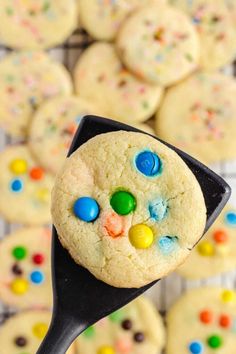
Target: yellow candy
{"points": [[205, 248], [229, 296], [18, 166], [19, 286], [141, 236], [40, 330], [43, 194], [106, 350]]}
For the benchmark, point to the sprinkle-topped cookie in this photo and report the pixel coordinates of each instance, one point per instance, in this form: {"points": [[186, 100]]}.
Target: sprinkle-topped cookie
{"points": [[155, 47], [134, 329], [24, 332], [215, 23], [36, 24], [25, 188], [25, 279], [216, 253], [100, 74], [201, 322], [204, 125], [53, 128], [118, 210], [27, 79]]}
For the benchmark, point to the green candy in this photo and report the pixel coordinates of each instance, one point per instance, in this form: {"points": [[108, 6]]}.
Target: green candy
{"points": [[89, 332], [123, 202], [215, 341], [19, 252], [116, 316]]}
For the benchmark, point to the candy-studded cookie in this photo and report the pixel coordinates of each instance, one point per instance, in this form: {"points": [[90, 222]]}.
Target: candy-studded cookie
{"points": [[215, 23], [37, 24], [26, 80], [53, 127], [101, 78], [24, 332], [155, 47], [204, 125], [25, 187], [203, 321], [216, 253], [135, 329], [25, 280], [125, 203]]}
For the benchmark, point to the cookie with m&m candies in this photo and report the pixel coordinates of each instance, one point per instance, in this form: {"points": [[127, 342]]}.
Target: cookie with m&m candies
{"points": [[134, 329], [25, 277], [203, 321], [25, 188], [216, 252], [24, 332]]}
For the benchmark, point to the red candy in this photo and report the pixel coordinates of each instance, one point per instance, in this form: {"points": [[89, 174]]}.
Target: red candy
{"points": [[38, 258], [36, 173], [225, 321], [220, 236], [206, 316]]}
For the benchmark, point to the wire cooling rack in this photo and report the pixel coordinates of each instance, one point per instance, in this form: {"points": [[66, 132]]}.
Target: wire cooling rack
{"points": [[170, 288]]}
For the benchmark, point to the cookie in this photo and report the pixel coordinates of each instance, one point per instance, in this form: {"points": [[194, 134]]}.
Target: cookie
{"points": [[216, 253], [153, 46], [25, 188], [204, 125], [203, 321], [102, 18], [24, 332], [25, 279], [135, 329], [146, 128], [27, 79], [216, 29], [101, 78], [53, 127], [37, 24], [124, 203]]}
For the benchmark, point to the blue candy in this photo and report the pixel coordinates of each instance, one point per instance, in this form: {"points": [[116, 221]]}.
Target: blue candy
{"points": [[167, 244], [16, 185], [158, 209], [196, 348], [148, 163], [86, 209], [231, 218], [37, 277]]}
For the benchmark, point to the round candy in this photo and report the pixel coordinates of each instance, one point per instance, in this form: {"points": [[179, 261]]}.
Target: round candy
{"points": [[18, 166], [225, 321], [19, 253], [158, 209], [141, 236], [106, 350], [16, 269], [116, 316], [148, 163], [19, 286], [206, 249], [36, 173], [89, 332], [228, 296], [40, 330], [37, 277], [114, 225], [20, 342], [215, 341], [16, 185], [206, 316], [123, 202], [126, 325], [139, 337], [167, 244], [86, 209], [196, 348], [38, 258], [220, 236], [231, 218]]}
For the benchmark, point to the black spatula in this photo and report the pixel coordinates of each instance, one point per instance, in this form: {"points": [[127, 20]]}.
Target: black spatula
{"points": [[80, 299]]}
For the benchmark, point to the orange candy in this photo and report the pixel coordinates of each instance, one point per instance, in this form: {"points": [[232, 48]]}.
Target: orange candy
{"points": [[225, 321], [220, 236], [114, 225], [206, 316], [36, 173]]}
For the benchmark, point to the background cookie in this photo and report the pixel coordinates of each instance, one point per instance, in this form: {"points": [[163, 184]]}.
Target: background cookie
{"points": [[24, 188], [26, 80], [25, 277], [204, 125], [36, 24], [154, 46], [216, 253], [143, 212], [101, 78], [53, 127], [24, 332], [216, 29], [203, 321], [135, 329]]}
